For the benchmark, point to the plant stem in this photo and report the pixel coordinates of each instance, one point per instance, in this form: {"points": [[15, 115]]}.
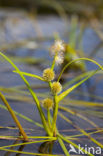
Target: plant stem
{"points": [[72, 143], [48, 114], [30, 75], [35, 98], [55, 112], [51, 147], [13, 116], [63, 146], [50, 84], [53, 63]]}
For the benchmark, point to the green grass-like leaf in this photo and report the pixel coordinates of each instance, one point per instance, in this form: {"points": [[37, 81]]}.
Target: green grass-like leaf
{"points": [[24, 117], [43, 119], [30, 75]]}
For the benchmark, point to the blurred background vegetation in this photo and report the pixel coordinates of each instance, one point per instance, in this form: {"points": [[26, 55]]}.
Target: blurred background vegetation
{"points": [[87, 8]]}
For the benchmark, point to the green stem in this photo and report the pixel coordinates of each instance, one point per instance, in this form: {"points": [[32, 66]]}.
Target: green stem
{"points": [[31, 75], [78, 59], [72, 143], [35, 98], [13, 116], [53, 63], [55, 113], [63, 146], [50, 84], [48, 114]]}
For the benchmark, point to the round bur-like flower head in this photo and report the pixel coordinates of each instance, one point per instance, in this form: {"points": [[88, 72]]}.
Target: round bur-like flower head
{"points": [[48, 74], [59, 59], [57, 47], [48, 103], [56, 88]]}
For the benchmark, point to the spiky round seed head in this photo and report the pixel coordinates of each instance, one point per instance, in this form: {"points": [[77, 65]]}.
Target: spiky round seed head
{"points": [[56, 88], [58, 46], [48, 103], [48, 74], [59, 59]]}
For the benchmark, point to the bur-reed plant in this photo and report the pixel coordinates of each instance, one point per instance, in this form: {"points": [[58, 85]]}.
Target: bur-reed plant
{"points": [[52, 102]]}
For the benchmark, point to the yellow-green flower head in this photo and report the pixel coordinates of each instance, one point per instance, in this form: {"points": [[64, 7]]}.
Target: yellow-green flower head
{"points": [[56, 88], [48, 103], [48, 74], [57, 47]]}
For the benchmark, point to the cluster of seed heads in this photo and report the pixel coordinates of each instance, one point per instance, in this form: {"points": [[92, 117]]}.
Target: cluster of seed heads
{"points": [[57, 50]]}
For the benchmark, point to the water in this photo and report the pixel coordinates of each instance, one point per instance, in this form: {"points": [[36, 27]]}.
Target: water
{"points": [[17, 27]]}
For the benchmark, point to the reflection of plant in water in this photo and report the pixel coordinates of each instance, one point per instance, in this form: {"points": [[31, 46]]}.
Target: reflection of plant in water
{"points": [[52, 102]]}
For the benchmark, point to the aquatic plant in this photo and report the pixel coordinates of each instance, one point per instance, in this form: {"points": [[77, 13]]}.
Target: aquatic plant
{"points": [[50, 103]]}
